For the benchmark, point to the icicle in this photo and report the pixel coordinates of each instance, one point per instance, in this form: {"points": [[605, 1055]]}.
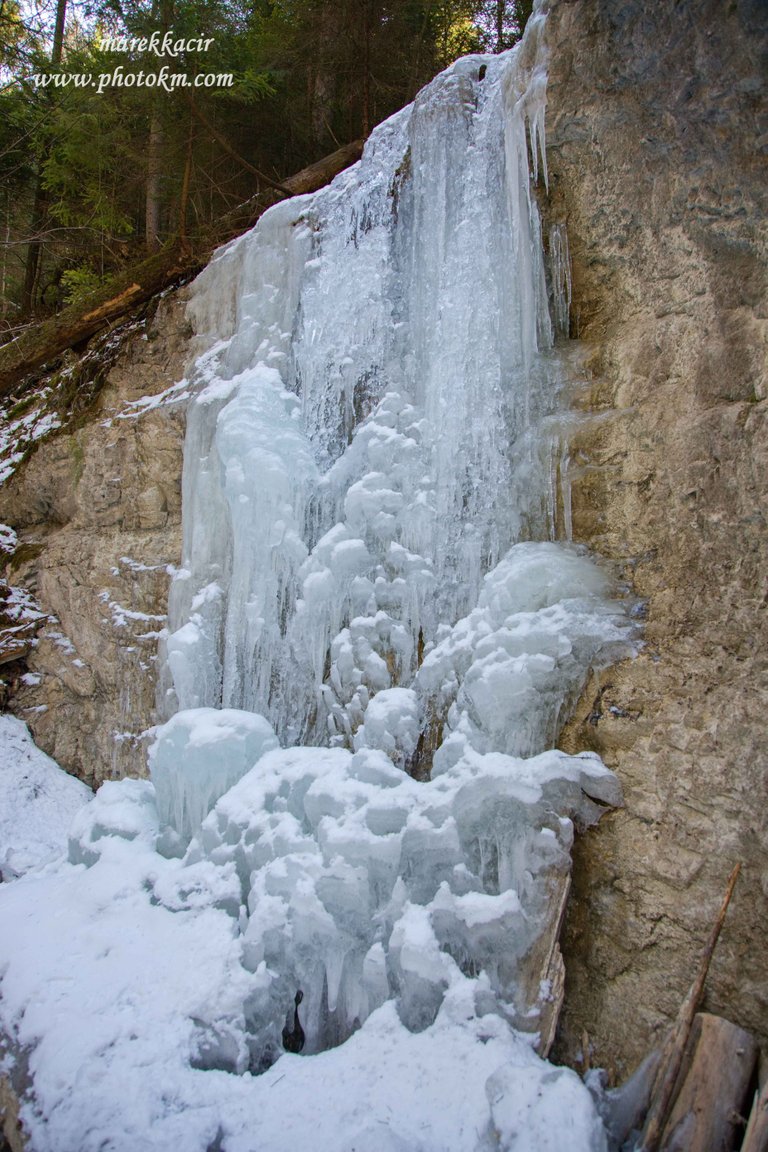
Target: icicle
{"points": [[565, 491]]}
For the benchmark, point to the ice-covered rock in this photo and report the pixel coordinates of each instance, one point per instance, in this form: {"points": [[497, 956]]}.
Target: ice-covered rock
{"points": [[393, 724], [363, 884], [372, 427], [505, 676]]}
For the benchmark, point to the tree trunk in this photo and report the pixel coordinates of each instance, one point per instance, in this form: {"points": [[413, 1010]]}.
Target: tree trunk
{"points": [[324, 81], [34, 249], [706, 1116], [40, 204], [672, 1057], [154, 173], [186, 181], [756, 1136], [501, 11], [367, 70]]}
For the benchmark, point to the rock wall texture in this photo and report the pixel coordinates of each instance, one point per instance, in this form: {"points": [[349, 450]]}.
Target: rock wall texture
{"points": [[657, 141], [97, 510]]}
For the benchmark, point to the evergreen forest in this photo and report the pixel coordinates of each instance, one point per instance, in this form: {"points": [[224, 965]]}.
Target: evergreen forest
{"points": [[128, 127]]}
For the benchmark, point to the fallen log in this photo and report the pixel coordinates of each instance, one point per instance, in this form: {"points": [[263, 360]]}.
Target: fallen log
{"points": [[667, 1080], [41, 343], [707, 1113]]}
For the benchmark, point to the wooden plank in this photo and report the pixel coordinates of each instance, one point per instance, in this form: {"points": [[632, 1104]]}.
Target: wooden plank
{"points": [[671, 1062], [707, 1114], [756, 1136], [552, 974]]}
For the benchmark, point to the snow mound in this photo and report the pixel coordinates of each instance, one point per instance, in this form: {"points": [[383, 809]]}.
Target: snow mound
{"points": [[146, 1010], [38, 802]]}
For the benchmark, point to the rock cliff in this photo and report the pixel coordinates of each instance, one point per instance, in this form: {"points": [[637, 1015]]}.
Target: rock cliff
{"points": [[657, 145], [97, 511]]}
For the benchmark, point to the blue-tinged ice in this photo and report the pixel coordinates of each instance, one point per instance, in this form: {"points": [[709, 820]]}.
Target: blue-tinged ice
{"points": [[369, 566]]}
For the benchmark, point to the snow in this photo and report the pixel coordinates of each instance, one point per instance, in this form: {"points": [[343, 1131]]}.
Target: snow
{"points": [[8, 539], [176, 394], [142, 1004], [20, 606], [123, 617], [21, 426], [37, 802]]}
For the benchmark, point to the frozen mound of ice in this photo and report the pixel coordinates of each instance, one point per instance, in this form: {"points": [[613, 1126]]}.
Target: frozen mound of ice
{"points": [[127, 986], [504, 677], [393, 724], [197, 756], [364, 885]]}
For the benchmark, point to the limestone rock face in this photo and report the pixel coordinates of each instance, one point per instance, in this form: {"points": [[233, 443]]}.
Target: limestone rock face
{"points": [[97, 509], [657, 147]]}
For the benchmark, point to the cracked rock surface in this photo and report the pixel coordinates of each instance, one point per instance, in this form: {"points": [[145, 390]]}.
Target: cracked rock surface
{"points": [[97, 512], [657, 140]]}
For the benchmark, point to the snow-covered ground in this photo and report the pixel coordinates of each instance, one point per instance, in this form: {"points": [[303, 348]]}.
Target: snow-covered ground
{"points": [[37, 802], [123, 979]]}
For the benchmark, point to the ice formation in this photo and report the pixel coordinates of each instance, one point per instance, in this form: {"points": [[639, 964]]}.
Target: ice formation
{"points": [[124, 984], [373, 435], [366, 564], [364, 885], [372, 643], [198, 756]]}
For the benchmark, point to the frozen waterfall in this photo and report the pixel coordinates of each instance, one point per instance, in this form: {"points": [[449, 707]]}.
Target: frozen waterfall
{"points": [[373, 438], [368, 565], [373, 641]]}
